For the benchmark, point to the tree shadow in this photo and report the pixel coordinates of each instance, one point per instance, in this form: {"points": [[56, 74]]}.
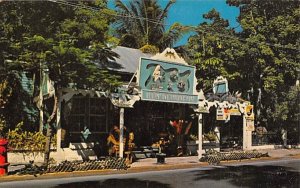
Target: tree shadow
{"points": [[252, 176], [111, 183]]}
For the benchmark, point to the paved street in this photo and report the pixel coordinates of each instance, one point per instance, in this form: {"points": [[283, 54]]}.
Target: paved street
{"points": [[282, 173]]}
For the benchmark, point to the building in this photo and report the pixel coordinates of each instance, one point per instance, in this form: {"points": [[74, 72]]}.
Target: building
{"points": [[156, 90]]}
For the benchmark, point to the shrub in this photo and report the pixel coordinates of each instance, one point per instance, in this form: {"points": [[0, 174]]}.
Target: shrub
{"points": [[27, 141]]}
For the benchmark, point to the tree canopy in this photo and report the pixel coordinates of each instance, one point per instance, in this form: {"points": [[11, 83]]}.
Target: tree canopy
{"points": [[262, 60], [70, 41], [143, 23]]}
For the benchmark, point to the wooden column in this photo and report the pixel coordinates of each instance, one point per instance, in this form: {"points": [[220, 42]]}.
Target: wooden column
{"points": [[217, 132], [41, 110], [121, 148], [247, 136], [200, 122], [58, 124]]}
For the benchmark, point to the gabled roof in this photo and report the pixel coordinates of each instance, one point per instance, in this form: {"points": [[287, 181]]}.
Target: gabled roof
{"points": [[128, 60]]}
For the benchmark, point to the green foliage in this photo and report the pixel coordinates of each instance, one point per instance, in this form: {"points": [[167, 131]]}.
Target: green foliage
{"points": [[211, 53], [5, 93], [288, 109], [210, 136], [144, 24], [193, 137], [2, 125], [287, 115], [21, 140], [263, 56], [72, 43], [149, 49]]}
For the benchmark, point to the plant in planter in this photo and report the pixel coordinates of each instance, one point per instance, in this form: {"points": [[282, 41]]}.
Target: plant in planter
{"points": [[193, 137], [210, 136], [192, 146]]}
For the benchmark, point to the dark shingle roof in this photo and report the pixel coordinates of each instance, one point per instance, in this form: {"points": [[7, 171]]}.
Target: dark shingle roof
{"points": [[128, 61]]}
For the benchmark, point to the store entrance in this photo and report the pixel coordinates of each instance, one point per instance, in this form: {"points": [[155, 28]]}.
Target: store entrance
{"points": [[226, 135], [232, 134], [150, 123]]}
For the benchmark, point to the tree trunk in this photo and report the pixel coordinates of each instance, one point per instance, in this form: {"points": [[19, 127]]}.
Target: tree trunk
{"points": [[49, 133]]}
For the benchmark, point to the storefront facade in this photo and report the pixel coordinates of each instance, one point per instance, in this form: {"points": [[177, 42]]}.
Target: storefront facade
{"points": [[163, 88]]}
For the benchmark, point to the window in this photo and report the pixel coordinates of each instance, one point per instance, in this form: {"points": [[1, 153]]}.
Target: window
{"points": [[220, 88], [89, 112], [97, 114]]}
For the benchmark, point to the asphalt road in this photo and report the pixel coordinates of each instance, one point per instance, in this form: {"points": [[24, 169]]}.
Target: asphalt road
{"points": [[282, 173]]}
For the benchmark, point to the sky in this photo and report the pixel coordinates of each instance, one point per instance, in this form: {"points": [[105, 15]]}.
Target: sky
{"points": [[189, 12]]}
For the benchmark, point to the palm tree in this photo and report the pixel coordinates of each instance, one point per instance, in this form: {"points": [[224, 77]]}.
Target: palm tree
{"points": [[142, 22]]}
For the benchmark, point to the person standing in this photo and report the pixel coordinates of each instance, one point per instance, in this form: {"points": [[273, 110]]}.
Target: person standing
{"points": [[284, 137], [113, 140]]}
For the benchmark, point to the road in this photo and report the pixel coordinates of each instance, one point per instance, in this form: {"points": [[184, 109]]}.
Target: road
{"points": [[281, 173]]}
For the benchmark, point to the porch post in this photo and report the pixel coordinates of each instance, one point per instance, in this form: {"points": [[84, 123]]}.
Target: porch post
{"points": [[41, 112], [58, 123], [200, 136], [121, 148], [247, 136], [217, 132]]}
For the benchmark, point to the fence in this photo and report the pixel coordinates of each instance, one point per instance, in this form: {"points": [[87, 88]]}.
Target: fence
{"points": [[213, 157], [70, 166]]}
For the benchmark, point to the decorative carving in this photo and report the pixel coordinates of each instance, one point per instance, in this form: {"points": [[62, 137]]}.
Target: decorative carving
{"points": [[68, 93], [124, 100], [125, 97], [170, 55], [167, 79], [236, 109]]}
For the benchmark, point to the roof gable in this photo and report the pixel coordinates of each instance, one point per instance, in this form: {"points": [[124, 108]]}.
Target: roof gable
{"points": [[128, 60]]}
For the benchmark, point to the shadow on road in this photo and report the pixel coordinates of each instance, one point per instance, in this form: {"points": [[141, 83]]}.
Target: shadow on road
{"points": [[252, 176], [124, 183]]}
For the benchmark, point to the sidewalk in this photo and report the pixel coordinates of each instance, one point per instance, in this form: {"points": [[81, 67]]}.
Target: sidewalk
{"points": [[150, 164], [194, 161], [282, 153], [170, 161]]}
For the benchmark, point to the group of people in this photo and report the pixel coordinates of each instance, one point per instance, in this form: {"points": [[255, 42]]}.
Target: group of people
{"points": [[113, 140], [181, 129]]}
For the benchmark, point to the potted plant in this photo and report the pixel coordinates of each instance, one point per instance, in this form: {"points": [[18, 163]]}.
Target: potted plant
{"points": [[210, 137], [210, 140], [191, 144]]}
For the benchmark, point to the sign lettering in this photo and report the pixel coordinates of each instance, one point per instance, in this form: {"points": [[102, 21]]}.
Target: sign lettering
{"points": [[169, 97]]}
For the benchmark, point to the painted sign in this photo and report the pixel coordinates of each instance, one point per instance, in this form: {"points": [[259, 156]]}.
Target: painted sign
{"points": [[220, 114], [223, 114], [169, 97], [235, 112], [226, 114], [167, 82], [249, 114], [250, 125]]}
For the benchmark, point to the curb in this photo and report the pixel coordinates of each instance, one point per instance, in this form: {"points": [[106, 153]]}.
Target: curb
{"points": [[157, 167]]}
